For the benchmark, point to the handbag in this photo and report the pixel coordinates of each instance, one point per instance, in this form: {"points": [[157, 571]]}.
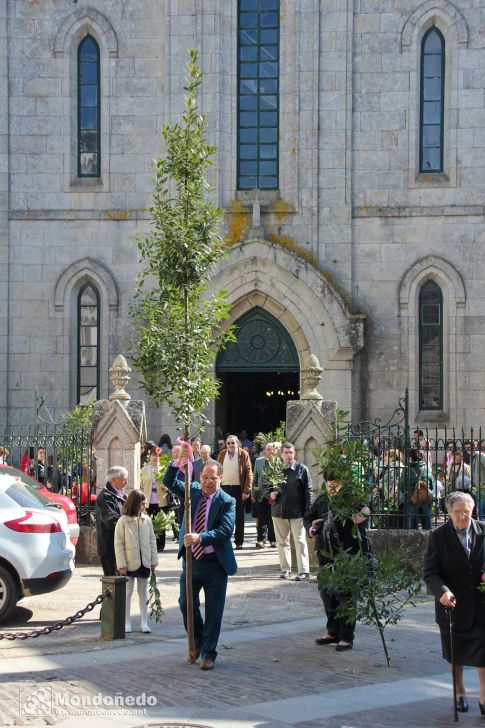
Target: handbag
{"points": [[173, 500], [421, 495]]}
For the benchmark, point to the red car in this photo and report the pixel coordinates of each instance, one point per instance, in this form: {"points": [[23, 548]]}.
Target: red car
{"points": [[83, 497], [62, 500]]}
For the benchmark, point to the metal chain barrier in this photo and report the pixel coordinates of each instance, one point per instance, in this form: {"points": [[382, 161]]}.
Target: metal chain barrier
{"points": [[54, 627]]}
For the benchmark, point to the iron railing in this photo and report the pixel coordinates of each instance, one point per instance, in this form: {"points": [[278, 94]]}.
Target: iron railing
{"points": [[59, 457], [399, 458]]}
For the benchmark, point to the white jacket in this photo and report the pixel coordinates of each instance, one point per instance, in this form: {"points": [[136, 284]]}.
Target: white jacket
{"points": [[134, 537]]}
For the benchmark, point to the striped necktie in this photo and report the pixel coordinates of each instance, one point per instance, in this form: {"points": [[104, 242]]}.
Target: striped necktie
{"points": [[198, 549]]}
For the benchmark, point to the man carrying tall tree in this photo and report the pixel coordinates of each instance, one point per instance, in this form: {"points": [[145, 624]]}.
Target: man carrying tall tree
{"points": [[212, 518], [177, 320]]}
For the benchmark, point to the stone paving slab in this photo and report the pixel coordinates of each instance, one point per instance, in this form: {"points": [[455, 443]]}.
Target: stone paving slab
{"points": [[284, 678], [269, 673]]}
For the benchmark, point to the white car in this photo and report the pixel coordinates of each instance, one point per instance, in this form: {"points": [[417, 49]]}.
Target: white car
{"points": [[36, 554]]}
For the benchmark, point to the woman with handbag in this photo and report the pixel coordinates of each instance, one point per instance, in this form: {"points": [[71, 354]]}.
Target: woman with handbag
{"points": [[157, 495], [422, 496], [136, 553]]}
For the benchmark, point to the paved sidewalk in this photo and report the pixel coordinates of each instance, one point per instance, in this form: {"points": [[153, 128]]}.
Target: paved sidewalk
{"points": [[269, 672]]}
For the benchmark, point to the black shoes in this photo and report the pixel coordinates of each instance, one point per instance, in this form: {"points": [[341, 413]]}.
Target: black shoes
{"points": [[482, 708], [344, 648], [326, 640], [462, 704]]}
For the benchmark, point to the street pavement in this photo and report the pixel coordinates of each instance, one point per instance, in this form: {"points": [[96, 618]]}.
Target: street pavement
{"points": [[269, 671]]}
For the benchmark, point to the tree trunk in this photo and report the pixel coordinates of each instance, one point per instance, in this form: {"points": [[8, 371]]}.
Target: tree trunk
{"points": [[188, 570], [188, 527]]}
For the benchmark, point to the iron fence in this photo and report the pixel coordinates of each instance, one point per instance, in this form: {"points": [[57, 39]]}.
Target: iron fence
{"points": [[58, 457], [410, 471]]}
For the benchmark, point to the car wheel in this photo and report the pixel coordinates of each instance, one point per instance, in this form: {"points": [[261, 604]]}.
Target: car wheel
{"points": [[8, 593]]}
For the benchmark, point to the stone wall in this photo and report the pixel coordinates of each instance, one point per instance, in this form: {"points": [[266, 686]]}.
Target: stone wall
{"points": [[385, 541], [351, 204]]}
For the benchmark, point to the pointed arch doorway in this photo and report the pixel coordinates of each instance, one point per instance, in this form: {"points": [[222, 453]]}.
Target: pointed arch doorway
{"points": [[259, 373]]}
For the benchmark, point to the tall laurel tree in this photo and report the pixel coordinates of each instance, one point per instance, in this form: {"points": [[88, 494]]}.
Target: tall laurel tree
{"points": [[177, 321]]}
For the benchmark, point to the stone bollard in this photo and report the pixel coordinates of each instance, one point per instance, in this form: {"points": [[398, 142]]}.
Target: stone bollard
{"points": [[113, 608]]}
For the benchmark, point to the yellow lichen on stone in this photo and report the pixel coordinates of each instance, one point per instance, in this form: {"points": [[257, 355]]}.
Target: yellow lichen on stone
{"points": [[285, 241], [238, 220], [117, 215], [280, 210]]}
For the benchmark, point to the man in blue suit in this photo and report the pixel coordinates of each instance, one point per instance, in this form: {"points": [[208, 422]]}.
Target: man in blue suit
{"points": [[213, 515]]}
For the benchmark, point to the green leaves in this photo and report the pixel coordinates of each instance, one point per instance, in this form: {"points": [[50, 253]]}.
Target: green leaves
{"points": [[273, 474], [378, 589], [184, 246], [375, 591], [176, 348], [177, 323], [155, 609], [347, 462], [163, 521]]}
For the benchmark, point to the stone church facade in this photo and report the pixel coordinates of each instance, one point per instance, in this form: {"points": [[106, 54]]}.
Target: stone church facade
{"points": [[350, 167]]}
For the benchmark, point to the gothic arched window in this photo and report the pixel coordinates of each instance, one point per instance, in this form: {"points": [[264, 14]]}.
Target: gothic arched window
{"points": [[89, 108], [430, 347], [432, 101], [88, 319], [258, 94]]}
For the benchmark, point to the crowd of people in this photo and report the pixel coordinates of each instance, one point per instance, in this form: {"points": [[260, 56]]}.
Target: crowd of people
{"points": [[409, 485], [220, 487]]}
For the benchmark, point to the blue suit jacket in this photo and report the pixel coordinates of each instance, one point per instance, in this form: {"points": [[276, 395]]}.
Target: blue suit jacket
{"points": [[222, 516]]}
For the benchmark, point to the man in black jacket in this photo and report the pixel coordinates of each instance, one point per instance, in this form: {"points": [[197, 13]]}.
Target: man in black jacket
{"points": [[287, 510], [109, 504]]}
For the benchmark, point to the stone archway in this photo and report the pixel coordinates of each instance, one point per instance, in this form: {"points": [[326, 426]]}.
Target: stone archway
{"points": [[257, 273], [259, 373]]}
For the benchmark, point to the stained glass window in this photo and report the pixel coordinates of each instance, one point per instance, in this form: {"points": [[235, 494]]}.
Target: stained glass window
{"points": [[432, 101], [430, 347], [88, 344], [89, 109], [258, 94]]}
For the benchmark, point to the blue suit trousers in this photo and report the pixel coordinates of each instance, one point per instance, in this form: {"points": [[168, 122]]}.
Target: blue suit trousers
{"points": [[207, 574]]}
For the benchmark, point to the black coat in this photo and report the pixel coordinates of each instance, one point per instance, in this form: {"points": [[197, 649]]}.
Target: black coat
{"points": [[334, 534], [318, 509], [448, 568], [296, 493], [108, 511]]}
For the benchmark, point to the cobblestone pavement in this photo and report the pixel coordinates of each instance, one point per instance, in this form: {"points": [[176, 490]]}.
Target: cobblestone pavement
{"points": [[269, 672]]}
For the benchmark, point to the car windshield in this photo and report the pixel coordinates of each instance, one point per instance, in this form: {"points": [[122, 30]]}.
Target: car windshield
{"points": [[27, 497], [7, 470]]}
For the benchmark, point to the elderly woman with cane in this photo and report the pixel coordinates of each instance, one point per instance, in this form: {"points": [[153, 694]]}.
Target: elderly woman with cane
{"points": [[454, 570]]}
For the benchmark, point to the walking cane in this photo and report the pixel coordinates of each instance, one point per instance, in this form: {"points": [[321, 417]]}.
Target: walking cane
{"points": [[452, 650]]}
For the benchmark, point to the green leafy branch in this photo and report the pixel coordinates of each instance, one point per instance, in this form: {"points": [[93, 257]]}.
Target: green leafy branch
{"points": [[276, 435], [348, 463], [155, 609], [273, 474], [378, 589], [163, 521]]}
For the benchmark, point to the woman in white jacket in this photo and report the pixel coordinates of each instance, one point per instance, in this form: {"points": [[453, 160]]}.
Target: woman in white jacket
{"points": [[136, 553]]}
